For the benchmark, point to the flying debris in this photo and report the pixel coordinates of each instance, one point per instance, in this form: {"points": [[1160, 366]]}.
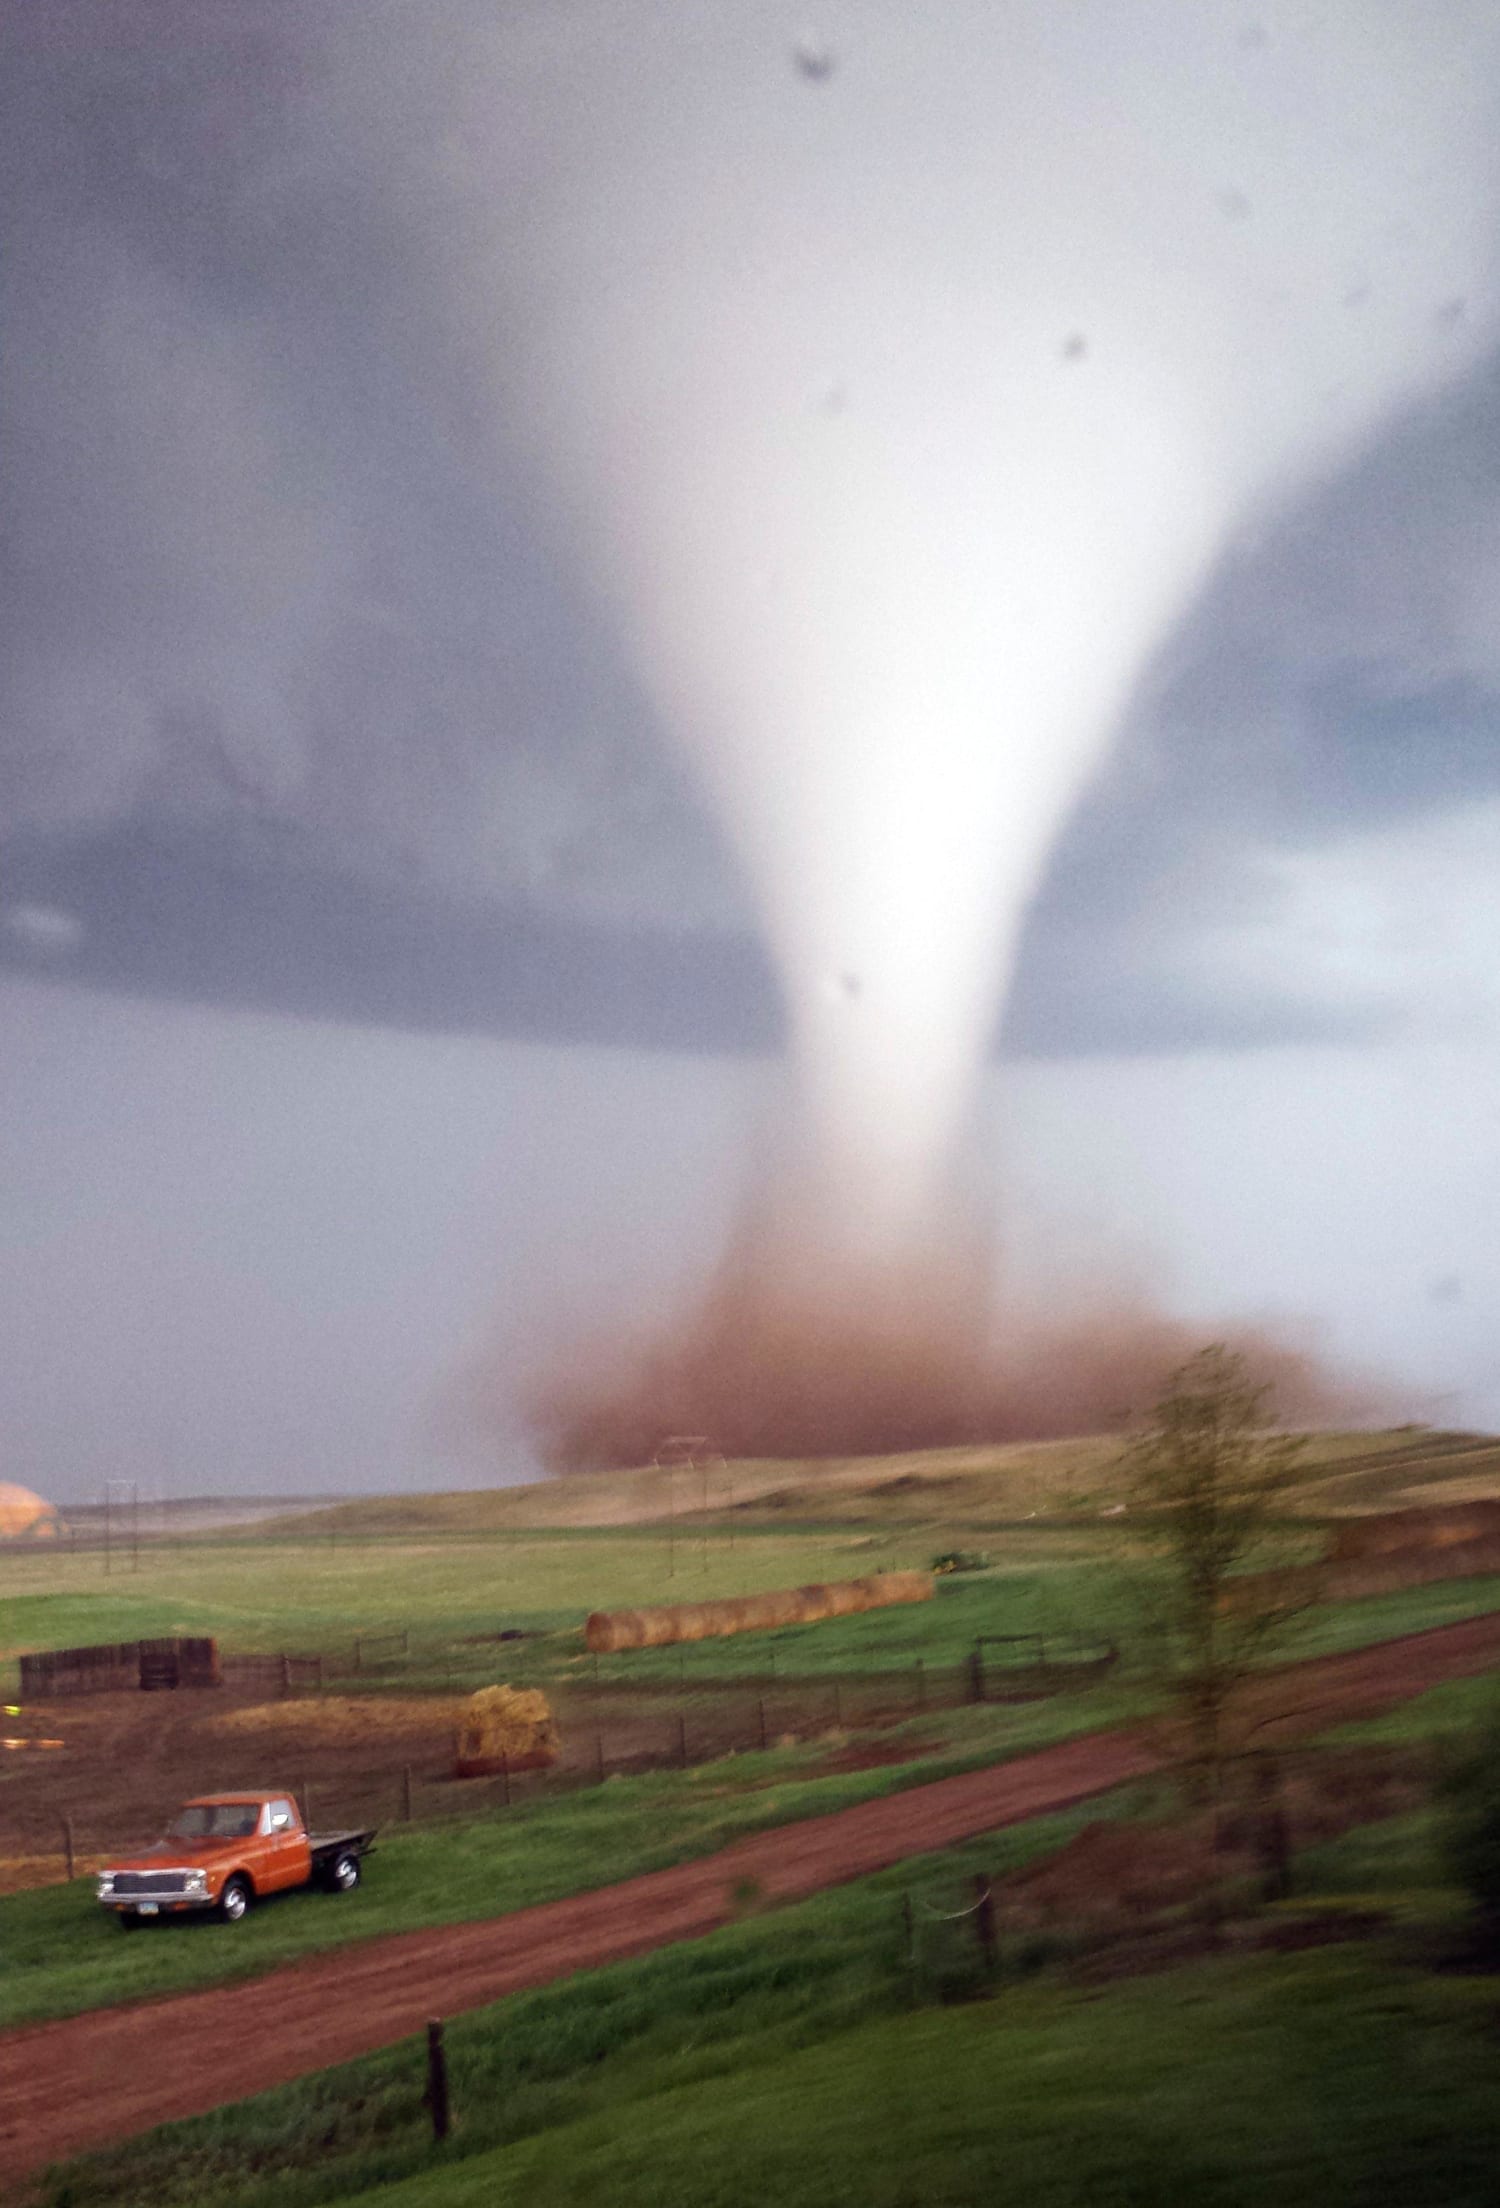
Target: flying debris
{"points": [[814, 60]]}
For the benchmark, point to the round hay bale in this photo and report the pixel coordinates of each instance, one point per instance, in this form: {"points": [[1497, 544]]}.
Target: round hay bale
{"points": [[762, 1611], [889, 1587], [659, 1626], [24, 1516], [610, 1630], [809, 1603], [607, 1631]]}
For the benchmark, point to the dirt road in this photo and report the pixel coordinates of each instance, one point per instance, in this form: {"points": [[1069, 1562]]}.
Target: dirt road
{"points": [[93, 2079]]}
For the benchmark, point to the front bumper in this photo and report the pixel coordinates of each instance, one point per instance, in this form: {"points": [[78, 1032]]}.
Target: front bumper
{"points": [[154, 1893], [158, 1905]]}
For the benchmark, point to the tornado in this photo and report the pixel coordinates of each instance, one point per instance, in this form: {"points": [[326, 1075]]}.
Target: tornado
{"points": [[895, 383]]}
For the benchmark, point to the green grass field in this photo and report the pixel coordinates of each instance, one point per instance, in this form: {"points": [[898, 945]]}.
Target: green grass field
{"points": [[307, 1596], [57, 1952], [800, 2055]]}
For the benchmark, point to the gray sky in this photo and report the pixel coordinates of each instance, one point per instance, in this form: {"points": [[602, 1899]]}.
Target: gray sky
{"points": [[378, 973]]}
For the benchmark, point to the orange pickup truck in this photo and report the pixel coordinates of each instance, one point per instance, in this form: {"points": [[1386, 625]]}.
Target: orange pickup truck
{"points": [[224, 1851]]}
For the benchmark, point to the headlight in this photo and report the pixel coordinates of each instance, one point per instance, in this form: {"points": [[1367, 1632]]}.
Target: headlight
{"points": [[196, 1882], [106, 1883]]}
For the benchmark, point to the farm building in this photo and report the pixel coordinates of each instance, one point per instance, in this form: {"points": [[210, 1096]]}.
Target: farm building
{"points": [[24, 1516]]}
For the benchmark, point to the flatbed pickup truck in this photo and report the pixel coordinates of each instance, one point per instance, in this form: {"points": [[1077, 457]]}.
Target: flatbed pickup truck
{"points": [[223, 1852]]}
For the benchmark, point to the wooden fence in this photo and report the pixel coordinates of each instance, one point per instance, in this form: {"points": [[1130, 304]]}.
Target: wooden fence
{"points": [[112, 1667]]}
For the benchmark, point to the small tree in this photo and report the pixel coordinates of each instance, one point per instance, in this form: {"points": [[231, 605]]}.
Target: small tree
{"points": [[1472, 1832], [1207, 1480]]}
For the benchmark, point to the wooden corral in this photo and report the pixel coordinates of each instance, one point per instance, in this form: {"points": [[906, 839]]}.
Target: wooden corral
{"points": [[609, 1631], [112, 1666], [1383, 1554], [1433, 1526]]}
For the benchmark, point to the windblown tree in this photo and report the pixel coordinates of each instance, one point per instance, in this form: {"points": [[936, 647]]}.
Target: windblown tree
{"points": [[1209, 1475]]}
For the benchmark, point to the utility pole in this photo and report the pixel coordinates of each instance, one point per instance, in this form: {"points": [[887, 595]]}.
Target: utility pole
{"points": [[129, 1506]]}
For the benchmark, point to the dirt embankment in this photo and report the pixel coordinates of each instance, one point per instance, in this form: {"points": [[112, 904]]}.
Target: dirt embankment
{"points": [[81, 2083]]}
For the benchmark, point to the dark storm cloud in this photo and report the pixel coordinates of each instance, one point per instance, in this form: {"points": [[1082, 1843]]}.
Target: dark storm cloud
{"points": [[300, 705], [254, 578], [1340, 678]]}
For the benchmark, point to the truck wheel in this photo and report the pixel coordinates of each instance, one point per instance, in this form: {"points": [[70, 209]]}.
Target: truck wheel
{"points": [[127, 1920], [234, 1900], [343, 1872]]}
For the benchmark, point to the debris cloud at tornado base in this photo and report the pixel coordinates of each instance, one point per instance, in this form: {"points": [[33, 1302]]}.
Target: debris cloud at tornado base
{"points": [[894, 413], [763, 1377]]}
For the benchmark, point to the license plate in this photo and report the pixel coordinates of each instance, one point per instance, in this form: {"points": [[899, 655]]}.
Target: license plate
{"points": [[147, 1908]]}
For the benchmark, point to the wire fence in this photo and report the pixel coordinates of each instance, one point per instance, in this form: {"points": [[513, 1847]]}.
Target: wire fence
{"points": [[603, 1741]]}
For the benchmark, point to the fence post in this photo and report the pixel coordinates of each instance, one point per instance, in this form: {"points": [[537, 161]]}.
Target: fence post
{"points": [[909, 1944], [436, 2095], [1273, 1835], [286, 1674], [984, 1924], [760, 1701], [976, 1673], [599, 1755], [67, 1832], [305, 1799], [921, 1684], [681, 1741], [406, 1793], [405, 1640], [838, 1707]]}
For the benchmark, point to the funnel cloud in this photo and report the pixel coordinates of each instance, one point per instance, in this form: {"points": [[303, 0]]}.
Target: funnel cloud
{"points": [[899, 409], [602, 602]]}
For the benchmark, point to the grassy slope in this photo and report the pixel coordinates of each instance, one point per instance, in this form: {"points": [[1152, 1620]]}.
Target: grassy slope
{"points": [[307, 1593], [308, 1597], [776, 2060], [785, 1979], [1326, 2078], [977, 1487]]}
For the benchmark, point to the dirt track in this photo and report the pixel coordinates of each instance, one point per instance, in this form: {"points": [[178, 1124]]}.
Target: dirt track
{"points": [[94, 2079]]}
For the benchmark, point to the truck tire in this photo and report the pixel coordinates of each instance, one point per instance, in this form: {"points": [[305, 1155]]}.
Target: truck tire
{"points": [[235, 1899], [127, 1920], [342, 1874]]}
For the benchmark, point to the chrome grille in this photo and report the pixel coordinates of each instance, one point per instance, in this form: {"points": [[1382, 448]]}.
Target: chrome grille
{"points": [[151, 1882]]}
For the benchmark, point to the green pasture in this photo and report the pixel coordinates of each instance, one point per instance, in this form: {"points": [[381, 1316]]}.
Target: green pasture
{"points": [[310, 1593], [806, 2054], [1333, 2078], [450, 1597]]}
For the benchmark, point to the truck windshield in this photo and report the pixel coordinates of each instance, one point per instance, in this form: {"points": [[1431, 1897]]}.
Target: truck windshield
{"points": [[216, 1821]]}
